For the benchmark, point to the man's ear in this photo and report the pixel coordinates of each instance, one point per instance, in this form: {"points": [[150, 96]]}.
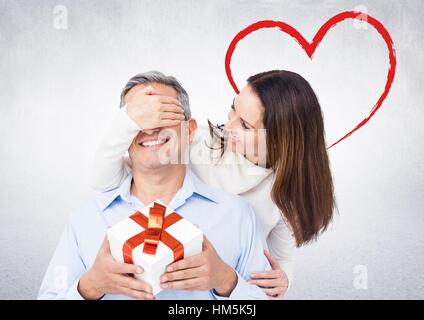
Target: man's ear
{"points": [[192, 127]]}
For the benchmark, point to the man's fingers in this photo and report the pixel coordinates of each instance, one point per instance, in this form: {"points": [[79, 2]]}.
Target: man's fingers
{"points": [[274, 264], [126, 268], [188, 284], [134, 284], [141, 295], [105, 246], [190, 262], [206, 243], [182, 274]]}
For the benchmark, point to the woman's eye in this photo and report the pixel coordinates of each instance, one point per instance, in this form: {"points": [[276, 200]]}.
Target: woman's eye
{"points": [[244, 125]]}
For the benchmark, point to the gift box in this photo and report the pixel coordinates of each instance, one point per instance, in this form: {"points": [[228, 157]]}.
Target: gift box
{"points": [[152, 239]]}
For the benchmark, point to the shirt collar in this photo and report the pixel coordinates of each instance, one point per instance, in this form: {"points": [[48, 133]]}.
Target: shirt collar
{"points": [[191, 185]]}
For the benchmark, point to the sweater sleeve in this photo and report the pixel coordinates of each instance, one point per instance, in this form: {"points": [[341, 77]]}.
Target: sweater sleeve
{"points": [[281, 245], [110, 167]]}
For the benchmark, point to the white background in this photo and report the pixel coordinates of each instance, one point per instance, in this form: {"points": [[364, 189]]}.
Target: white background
{"points": [[59, 88]]}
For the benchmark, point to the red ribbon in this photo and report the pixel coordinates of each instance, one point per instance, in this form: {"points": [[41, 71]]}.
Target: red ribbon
{"points": [[160, 235]]}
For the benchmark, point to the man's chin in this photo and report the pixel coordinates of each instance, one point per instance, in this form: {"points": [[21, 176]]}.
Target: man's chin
{"points": [[154, 164]]}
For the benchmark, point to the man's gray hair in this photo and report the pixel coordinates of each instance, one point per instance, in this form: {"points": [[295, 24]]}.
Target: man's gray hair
{"points": [[159, 77]]}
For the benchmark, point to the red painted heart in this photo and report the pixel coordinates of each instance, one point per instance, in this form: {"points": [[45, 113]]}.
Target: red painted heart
{"points": [[310, 47]]}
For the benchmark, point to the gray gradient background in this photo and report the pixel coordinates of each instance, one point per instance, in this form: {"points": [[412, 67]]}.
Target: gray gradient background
{"points": [[58, 89]]}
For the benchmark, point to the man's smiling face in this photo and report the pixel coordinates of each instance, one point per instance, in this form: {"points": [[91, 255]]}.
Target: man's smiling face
{"points": [[158, 147]]}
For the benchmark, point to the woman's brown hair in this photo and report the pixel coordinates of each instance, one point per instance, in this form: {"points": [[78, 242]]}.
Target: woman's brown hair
{"points": [[296, 152]]}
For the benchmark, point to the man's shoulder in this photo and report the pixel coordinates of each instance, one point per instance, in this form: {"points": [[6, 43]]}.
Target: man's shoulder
{"points": [[92, 206], [227, 197]]}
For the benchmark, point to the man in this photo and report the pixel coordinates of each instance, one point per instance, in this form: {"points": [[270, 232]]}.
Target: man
{"points": [[82, 266]]}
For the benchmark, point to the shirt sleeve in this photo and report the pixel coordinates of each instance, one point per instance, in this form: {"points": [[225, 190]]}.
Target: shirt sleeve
{"points": [[252, 259], [64, 271], [110, 161], [281, 245]]}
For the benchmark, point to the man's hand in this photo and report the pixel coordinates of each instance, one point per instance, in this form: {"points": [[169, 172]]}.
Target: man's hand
{"points": [[150, 110], [112, 277], [205, 271]]}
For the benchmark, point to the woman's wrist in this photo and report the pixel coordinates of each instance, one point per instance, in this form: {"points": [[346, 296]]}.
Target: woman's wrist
{"points": [[130, 113]]}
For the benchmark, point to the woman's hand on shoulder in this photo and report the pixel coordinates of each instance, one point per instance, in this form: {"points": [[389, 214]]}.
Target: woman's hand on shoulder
{"points": [[274, 282]]}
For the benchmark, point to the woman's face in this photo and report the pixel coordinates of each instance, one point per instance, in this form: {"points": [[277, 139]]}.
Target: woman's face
{"points": [[246, 132]]}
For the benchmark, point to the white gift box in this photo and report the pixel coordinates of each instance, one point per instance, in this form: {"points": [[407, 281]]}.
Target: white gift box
{"points": [[154, 266]]}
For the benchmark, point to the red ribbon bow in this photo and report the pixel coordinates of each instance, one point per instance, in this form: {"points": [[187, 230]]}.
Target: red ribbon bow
{"points": [[154, 231]]}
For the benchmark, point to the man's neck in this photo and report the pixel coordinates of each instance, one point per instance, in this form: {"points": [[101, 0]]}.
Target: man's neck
{"points": [[162, 183]]}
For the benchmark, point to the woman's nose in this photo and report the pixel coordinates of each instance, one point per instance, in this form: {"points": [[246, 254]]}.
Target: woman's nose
{"points": [[231, 120]]}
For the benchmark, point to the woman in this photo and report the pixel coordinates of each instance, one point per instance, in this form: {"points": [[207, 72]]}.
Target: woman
{"points": [[286, 177]]}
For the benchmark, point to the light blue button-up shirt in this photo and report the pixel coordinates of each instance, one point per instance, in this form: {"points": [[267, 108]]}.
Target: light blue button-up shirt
{"points": [[228, 221]]}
